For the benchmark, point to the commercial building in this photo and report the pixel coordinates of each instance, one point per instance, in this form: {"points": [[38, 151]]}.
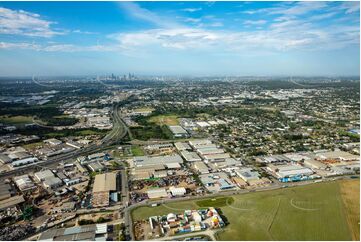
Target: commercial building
{"points": [[92, 232]]}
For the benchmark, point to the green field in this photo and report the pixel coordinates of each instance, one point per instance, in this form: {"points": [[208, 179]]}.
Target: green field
{"points": [[165, 120], [16, 120], [137, 151], [312, 212]]}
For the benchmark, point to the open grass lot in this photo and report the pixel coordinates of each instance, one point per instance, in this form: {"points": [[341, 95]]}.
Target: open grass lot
{"points": [[165, 120], [137, 151], [16, 120], [312, 212], [350, 192]]}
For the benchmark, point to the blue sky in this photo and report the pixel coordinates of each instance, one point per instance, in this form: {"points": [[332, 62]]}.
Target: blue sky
{"points": [[179, 38]]}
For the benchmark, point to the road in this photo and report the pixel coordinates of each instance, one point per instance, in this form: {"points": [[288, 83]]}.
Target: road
{"points": [[119, 131]]}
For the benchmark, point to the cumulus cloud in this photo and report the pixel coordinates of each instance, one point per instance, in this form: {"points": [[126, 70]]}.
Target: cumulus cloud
{"points": [[19, 22]]}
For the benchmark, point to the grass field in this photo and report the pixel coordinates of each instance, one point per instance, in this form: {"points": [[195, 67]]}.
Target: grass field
{"points": [[16, 120], [165, 120], [350, 192], [137, 151], [312, 212]]}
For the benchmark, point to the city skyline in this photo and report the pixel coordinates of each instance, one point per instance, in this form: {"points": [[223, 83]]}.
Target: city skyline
{"points": [[179, 38]]}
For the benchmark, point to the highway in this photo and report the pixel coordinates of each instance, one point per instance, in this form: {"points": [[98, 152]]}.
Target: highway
{"points": [[119, 131]]}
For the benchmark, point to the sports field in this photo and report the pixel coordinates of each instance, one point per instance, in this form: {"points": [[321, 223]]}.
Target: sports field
{"points": [[165, 120], [312, 212]]}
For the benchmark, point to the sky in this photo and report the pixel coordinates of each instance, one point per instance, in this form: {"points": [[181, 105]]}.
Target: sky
{"points": [[180, 38]]}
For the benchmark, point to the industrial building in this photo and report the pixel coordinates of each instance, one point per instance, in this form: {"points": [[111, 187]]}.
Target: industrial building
{"points": [[289, 170], [248, 174], [200, 167], [143, 161], [92, 232], [190, 156], [157, 193], [104, 186], [216, 157], [24, 183], [48, 179], [5, 190], [178, 131], [215, 182], [180, 146], [23, 162], [177, 191]]}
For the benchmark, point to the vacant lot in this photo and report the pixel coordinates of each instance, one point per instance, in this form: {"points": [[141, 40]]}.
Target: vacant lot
{"points": [[16, 120], [165, 120], [350, 192], [312, 212], [137, 151]]}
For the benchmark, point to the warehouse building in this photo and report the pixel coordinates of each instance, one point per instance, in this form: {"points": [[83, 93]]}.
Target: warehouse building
{"points": [[23, 162], [200, 167], [215, 182], [201, 143], [104, 185], [157, 193], [190, 156], [5, 191], [180, 146], [92, 232], [24, 183], [248, 174], [177, 191], [49, 180], [142, 161], [289, 170], [178, 131], [11, 202], [216, 157]]}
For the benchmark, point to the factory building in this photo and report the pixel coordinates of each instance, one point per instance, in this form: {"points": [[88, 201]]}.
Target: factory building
{"points": [[190, 156], [24, 183], [104, 186], [289, 170], [143, 161], [178, 131], [92, 232]]}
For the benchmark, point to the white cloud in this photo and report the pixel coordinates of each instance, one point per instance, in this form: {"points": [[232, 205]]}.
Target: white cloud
{"points": [[144, 14], [191, 10], [19, 22], [350, 7], [255, 22]]}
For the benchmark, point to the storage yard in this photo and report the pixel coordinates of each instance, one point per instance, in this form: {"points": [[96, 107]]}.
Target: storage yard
{"points": [[312, 212]]}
